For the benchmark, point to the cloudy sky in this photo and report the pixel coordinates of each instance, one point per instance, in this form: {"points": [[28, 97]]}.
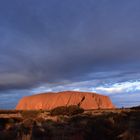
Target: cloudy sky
{"points": [[82, 45]]}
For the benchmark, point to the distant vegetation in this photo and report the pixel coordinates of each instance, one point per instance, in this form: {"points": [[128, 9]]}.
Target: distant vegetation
{"points": [[30, 114], [9, 111], [67, 110], [136, 108]]}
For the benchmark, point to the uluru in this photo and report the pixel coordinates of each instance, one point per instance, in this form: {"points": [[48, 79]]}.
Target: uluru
{"points": [[48, 101]]}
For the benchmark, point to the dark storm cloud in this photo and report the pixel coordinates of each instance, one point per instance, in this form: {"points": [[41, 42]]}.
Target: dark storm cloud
{"points": [[53, 41]]}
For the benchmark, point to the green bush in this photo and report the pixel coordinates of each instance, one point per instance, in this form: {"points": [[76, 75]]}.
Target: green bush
{"points": [[67, 110]]}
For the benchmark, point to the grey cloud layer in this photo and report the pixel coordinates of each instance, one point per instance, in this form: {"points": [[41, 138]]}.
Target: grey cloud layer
{"points": [[53, 41]]}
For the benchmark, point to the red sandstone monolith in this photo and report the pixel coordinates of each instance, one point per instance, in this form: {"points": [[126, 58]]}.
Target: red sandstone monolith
{"points": [[48, 101]]}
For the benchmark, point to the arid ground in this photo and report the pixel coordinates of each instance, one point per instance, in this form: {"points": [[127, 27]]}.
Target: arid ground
{"points": [[116, 124]]}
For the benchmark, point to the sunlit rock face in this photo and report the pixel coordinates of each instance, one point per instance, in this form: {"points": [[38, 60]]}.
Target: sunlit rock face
{"points": [[49, 101]]}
